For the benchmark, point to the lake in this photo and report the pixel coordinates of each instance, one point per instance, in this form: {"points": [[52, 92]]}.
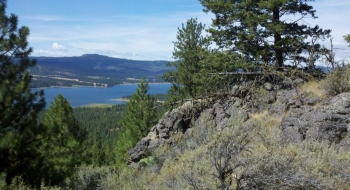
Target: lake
{"points": [[81, 96]]}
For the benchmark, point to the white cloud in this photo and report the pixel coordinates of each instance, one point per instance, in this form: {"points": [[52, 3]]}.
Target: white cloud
{"points": [[57, 47]]}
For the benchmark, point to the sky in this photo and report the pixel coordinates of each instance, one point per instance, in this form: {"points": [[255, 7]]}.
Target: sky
{"points": [[136, 29]]}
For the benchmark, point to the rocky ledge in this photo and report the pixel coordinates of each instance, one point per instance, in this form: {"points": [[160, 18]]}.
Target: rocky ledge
{"points": [[304, 116]]}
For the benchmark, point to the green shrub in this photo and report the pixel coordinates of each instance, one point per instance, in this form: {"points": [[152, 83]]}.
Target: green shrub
{"points": [[89, 177], [337, 81], [19, 184]]}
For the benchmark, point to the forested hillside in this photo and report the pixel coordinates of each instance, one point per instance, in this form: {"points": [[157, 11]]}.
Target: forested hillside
{"points": [[102, 126], [93, 70]]}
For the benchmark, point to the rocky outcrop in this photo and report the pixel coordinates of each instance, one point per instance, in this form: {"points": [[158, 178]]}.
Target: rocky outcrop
{"points": [[177, 120], [304, 116], [180, 120], [329, 121]]}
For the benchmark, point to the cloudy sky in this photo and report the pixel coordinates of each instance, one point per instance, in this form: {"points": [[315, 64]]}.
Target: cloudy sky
{"points": [[135, 29]]}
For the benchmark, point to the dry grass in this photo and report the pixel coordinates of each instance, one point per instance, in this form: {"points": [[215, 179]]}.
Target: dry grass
{"points": [[313, 88]]}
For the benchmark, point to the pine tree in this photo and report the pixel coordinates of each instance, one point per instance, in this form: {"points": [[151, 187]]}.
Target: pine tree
{"points": [[97, 150], [65, 141], [139, 118], [263, 30], [20, 134], [190, 49], [347, 39]]}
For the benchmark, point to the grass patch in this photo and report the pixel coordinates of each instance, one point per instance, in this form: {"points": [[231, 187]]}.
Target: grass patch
{"points": [[313, 88], [98, 105]]}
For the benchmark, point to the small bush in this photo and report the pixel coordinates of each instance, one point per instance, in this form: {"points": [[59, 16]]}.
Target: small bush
{"points": [[19, 184], [337, 81], [89, 177]]}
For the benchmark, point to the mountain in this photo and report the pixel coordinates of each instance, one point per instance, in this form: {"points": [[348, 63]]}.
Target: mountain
{"points": [[90, 69]]}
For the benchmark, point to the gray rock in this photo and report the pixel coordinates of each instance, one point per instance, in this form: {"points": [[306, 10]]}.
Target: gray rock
{"points": [[316, 124], [268, 86], [164, 135], [313, 101], [291, 135], [271, 98], [287, 83], [345, 143], [277, 109], [235, 91], [138, 152], [153, 144], [287, 96], [298, 81], [340, 104], [289, 122]]}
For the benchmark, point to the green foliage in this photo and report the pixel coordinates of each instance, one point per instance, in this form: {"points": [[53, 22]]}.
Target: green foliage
{"points": [[19, 184], [20, 134], [140, 116], [190, 49], [97, 150], [219, 61], [347, 38], [101, 124], [90, 177], [337, 81], [247, 27], [65, 141]]}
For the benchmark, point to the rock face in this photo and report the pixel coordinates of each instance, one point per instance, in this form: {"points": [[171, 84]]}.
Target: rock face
{"points": [[304, 117], [177, 120], [327, 122]]}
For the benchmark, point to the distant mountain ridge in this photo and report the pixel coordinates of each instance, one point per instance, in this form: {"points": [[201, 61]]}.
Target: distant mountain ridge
{"points": [[94, 68]]}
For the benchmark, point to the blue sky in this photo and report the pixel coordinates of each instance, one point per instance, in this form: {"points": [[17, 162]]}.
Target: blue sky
{"points": [[135, 29]]}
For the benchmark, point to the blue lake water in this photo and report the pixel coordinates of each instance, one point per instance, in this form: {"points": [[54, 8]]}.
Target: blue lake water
{"points": [[80, 96]]}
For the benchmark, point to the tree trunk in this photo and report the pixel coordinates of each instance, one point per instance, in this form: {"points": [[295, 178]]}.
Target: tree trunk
{"points": [[277, 39]]}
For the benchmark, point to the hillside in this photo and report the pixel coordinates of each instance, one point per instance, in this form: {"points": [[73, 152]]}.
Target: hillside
{"points": [[286, 134], [94, 70], [289, 135]]}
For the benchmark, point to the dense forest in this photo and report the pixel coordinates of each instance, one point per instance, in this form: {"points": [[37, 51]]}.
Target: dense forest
{"points": [[88, 147]]}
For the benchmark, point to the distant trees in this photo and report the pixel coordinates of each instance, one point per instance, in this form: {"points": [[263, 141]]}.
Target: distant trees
{"points": [[64, 142], [20, 133], [140, 116], [102, 125], [263, 30]]}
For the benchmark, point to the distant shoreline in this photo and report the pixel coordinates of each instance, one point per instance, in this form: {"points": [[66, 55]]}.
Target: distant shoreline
{"points": [[121, 99], [82, 86]]}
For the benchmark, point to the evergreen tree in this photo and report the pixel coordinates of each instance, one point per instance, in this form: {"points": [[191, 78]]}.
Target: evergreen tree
{"points": [[139, 118], [347, 39], [97, 150], [263, 30], [190, 49], [20, 134], [65, 141]]}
